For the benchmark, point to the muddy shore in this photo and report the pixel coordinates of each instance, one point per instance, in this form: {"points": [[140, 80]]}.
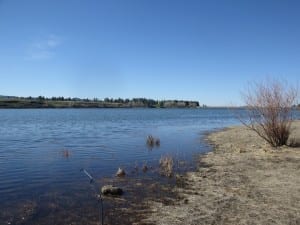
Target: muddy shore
{"points": [[243, 181]]}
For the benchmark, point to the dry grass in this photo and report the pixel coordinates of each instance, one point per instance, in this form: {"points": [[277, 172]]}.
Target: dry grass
{"points": [[166, 165]]}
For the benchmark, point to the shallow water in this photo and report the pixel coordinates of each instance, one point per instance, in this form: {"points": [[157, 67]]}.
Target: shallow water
{"points": [[38, 181]]}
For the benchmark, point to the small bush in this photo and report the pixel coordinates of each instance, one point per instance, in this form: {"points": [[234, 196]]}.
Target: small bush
{"points": [[269, 107], [166, 165]]}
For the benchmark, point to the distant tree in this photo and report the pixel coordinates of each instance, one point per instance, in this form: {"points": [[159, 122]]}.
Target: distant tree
{"points": [[160, 104], [134, 100], [269, 106], [151, 103], [41, 98], [61, 98], [118, 100]]}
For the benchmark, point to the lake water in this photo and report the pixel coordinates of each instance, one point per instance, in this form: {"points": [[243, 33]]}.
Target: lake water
{"points": [[33, 166]]}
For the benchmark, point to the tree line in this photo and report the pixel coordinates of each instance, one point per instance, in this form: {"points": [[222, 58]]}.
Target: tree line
{"points": [[61, 101]]}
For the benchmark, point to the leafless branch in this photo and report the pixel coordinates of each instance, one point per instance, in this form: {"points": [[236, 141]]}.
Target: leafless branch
{"points": [[269, 106]]}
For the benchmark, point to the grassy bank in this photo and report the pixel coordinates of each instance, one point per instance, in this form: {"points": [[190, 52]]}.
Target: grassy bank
{"points": [[243, 181]]}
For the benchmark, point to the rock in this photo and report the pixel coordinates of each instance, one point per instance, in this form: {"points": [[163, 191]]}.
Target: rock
{"points": [[120, 173], [243, 150], [157, 142], [111, 190]]}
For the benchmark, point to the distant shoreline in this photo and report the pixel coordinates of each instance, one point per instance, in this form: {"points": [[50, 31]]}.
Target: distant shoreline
{"points": [[7, 102], [12, 102]]}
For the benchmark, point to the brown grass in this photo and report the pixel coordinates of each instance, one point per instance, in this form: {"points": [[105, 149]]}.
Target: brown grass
{"points": [[166, 165]]}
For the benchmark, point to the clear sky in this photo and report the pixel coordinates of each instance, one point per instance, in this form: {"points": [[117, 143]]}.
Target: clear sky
{"points": [[188, 49]]}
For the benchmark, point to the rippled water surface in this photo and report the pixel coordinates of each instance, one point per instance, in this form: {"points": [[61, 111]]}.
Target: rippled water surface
{"points": [[33, 165]]}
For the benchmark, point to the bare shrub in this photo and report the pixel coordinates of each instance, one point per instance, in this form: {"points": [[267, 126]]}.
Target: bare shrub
{"points": [[269, 110], [166, 165]]}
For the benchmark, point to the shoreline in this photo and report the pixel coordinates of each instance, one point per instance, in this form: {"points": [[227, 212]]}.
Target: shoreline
{"points": [[241, 181], [11, 102]]}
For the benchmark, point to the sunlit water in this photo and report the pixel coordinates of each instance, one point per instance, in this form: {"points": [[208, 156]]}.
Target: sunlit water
{"points": [[32, 144]]}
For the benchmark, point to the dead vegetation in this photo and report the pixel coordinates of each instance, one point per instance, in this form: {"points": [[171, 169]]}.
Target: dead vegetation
{"points": [[166, 165], [152, 141], [269, 110]]}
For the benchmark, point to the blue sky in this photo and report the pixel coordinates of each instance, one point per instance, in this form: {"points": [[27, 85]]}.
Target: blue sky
{"points": [[195, 50]]}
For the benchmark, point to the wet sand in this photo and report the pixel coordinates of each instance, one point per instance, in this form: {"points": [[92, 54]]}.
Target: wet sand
{"points": [[243, 181]]}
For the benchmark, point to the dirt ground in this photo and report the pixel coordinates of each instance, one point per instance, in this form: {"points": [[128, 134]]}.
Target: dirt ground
{"points": [[243, 181]]}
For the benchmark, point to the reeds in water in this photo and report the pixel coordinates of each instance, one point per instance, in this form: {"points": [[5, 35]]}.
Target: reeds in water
{"points": [[152, 141], [166, 164]]}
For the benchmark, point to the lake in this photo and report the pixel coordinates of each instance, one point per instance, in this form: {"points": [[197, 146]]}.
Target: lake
{"points": [[36, 172]]}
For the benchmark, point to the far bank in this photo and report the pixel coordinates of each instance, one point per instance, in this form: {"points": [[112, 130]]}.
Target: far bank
{"points": [[61, 102]]}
